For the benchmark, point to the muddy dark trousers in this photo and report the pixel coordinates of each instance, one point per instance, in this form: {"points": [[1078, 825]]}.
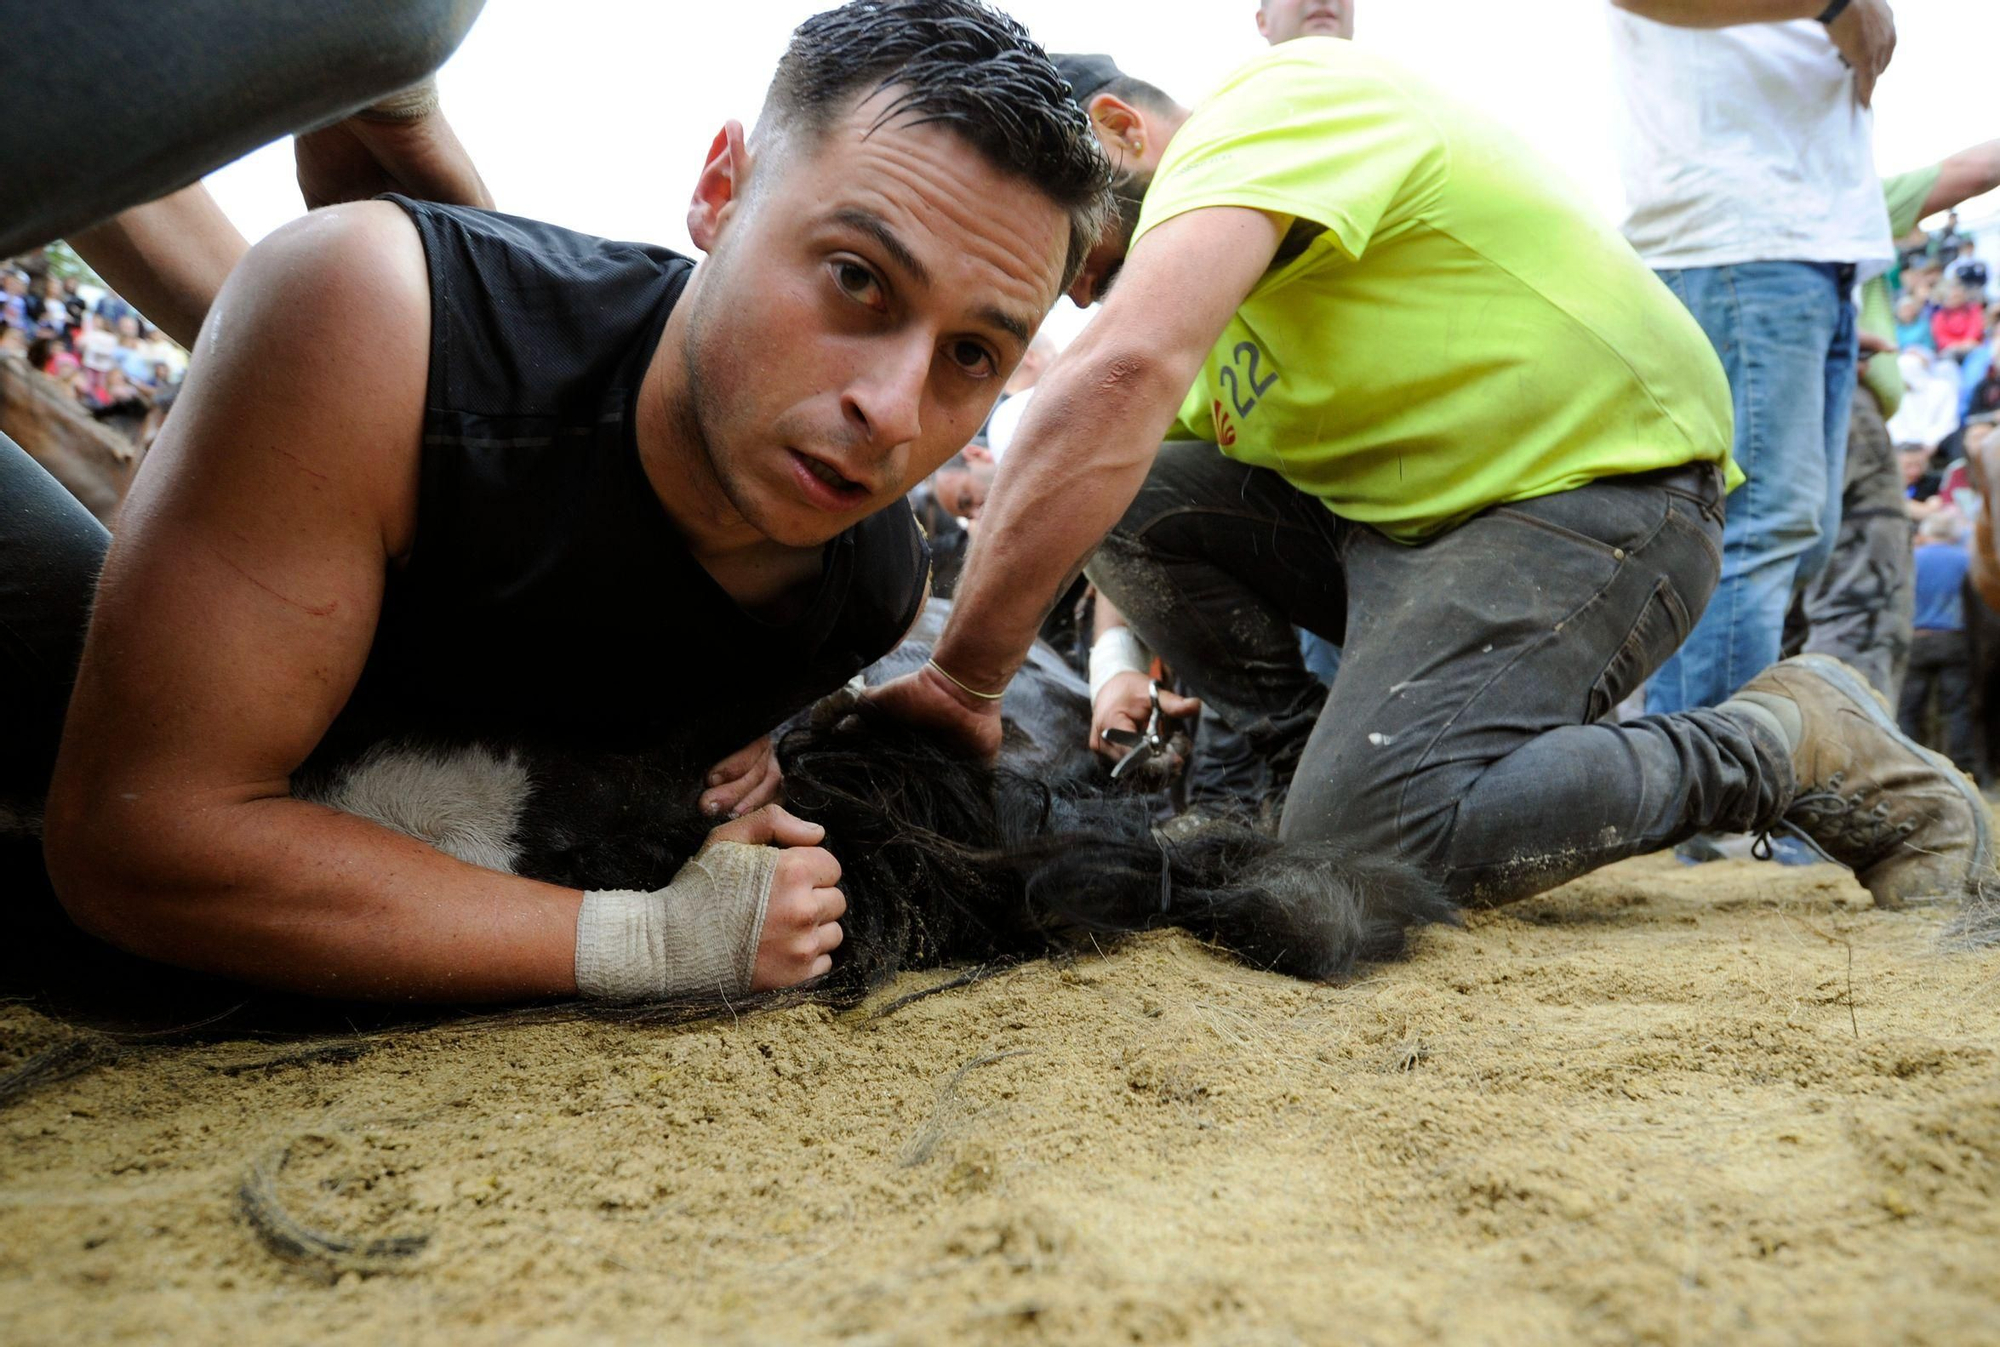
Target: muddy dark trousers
{"points": [[1861, 606], [1462, 730], [1941, 661]]}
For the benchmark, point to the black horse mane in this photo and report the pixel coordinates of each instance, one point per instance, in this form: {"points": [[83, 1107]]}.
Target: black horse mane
{"points": [[948, 861]]}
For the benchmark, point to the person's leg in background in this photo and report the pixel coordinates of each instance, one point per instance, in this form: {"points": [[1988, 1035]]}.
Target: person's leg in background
{"points": [[1226, 772], [1782, 331], [1955, 705], [1214, 565], [1941, 663], [1321, 655], [1913, 704], [187, 88], [51, 549], [1841, 390], [1860, 607]]}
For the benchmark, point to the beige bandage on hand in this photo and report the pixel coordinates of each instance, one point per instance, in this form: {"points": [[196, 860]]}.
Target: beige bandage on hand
{"points": [[405, 105], [698, 936]]}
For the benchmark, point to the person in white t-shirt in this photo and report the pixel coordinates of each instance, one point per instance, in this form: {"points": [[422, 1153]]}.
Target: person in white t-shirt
{"points": [[1750, 181], [98, 345]]}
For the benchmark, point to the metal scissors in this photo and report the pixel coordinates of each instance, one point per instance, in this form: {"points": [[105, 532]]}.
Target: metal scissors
{"points": [[1140, 746]]}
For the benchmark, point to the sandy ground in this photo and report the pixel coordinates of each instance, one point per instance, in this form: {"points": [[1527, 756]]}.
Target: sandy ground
{"points": [[1659, 1105]]}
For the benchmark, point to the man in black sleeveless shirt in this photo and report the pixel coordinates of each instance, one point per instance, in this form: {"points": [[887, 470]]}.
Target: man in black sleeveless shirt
{"points": [[445, 469]]}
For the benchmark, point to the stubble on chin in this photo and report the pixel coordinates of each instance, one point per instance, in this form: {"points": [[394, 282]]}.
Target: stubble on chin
{"points": [[688, 421]]}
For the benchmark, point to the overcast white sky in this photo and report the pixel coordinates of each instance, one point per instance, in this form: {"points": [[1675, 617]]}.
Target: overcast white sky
{"points": [[596, 114]]}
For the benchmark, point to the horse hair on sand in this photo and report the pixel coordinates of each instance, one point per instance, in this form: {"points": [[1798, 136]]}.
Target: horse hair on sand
{"points": [[944, 861]]}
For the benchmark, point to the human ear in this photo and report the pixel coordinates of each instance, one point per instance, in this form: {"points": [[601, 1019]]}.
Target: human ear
{"points": [[723, 175], [1120, 127]]}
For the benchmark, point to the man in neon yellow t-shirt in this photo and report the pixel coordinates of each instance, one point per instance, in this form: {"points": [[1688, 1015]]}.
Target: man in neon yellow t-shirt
{"points": [[1463, 431]]}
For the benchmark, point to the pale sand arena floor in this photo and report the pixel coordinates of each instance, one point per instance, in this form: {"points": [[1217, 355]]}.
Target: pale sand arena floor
{"points": [[1659, 1105]]}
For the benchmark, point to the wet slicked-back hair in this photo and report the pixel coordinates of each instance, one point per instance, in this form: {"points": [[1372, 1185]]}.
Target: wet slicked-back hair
{"points": [[961, 64]]}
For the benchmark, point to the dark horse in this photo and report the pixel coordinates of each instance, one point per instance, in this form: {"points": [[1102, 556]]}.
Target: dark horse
{"points": [[944, 861]]}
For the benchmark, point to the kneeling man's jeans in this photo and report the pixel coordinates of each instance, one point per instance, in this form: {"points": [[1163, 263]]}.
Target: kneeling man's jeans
{"points": [[1464, 729], [1785, 334]]}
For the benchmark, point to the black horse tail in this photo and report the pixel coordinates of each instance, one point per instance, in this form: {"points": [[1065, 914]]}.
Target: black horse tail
{"points": [[1310, 911]]}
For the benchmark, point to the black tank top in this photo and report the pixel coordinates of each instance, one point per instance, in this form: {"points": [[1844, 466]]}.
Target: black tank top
{"points": [[547, 593]]}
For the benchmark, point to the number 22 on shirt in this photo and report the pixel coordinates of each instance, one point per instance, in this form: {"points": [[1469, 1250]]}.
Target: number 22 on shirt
{"points": [[1245, 382]]}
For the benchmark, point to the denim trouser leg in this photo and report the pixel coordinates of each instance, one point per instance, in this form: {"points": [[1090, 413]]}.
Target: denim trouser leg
{"points": [[1462, 729], [1785, 333], [50, 551], [1322, 656], [121, 101], [1842, 361]]}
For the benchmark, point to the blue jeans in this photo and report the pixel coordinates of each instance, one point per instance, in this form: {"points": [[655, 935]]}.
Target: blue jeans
{"points": [[1785, 332], [1321, 655]]}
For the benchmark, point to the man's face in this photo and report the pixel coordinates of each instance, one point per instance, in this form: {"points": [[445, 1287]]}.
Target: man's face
{"points": [[1100, 269], [1914, 462], [866, 296], [1283, 20], [962, 491]]}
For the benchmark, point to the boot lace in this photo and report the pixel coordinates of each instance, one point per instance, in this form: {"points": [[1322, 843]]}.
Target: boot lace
{"points": [[1825, 817]]}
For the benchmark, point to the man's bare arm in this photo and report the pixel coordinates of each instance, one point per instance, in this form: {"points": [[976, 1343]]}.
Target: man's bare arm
{"points": [[1084, 449], [1969, 173], [401, 144], [236, 611], [168, 258]]}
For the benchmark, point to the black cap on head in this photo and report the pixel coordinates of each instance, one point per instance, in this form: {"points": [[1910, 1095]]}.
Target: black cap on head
{"points": [[1087, 73]]}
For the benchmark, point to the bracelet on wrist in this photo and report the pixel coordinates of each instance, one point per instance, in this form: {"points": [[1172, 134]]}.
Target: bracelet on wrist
{"points": [[962, 687], [1832, 11]]}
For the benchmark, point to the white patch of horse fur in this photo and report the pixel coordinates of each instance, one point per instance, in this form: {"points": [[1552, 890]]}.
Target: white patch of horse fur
{"points": [[466, 802]]}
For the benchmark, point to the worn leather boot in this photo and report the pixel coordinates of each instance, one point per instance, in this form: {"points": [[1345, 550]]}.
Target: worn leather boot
{"points": [[1910, 825]]}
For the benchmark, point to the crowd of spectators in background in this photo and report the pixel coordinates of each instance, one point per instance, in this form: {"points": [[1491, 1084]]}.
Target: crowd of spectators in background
{"points": [[1947, 327], [1946, 321], [116, 366]]}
